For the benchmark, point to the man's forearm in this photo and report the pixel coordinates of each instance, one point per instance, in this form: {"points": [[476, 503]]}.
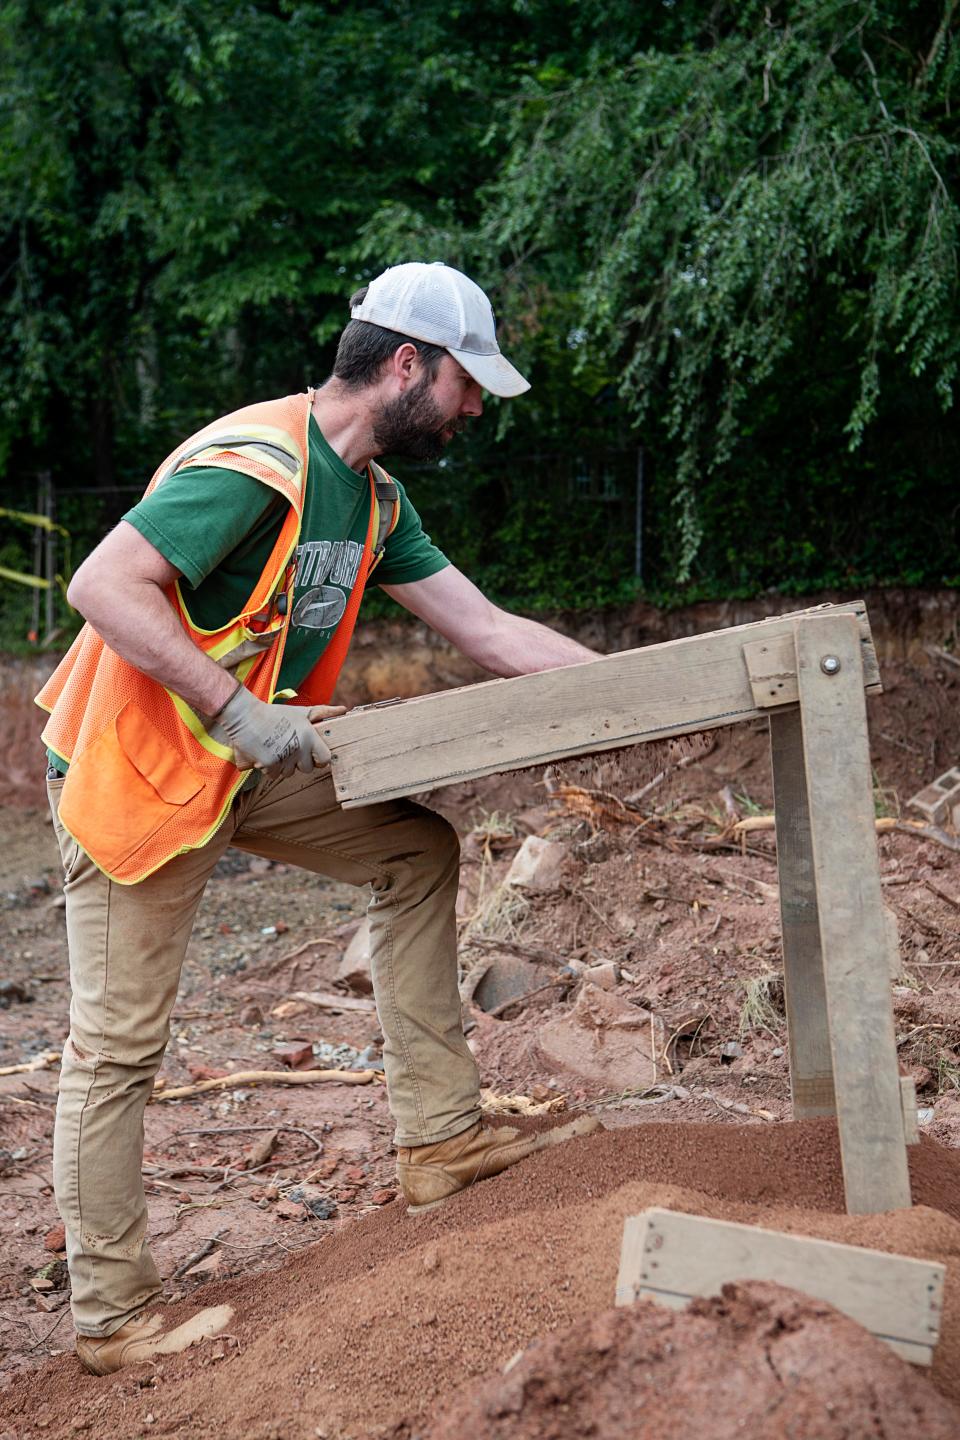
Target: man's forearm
{"points": [[517, 646], [142, 627]]}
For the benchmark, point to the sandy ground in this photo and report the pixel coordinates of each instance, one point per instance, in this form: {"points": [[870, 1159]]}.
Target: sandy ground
{"points": [[691, 921]]}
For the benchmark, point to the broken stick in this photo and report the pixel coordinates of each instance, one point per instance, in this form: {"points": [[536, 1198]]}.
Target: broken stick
{"points": [[266, 1077], [768, 822], [328, 1000], [206, 1249], [39, 1062]]}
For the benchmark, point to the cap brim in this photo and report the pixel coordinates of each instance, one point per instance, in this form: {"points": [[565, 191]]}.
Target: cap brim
{"points": [[493, 372]]}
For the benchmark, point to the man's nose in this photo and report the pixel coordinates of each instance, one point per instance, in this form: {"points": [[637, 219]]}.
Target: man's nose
{"points": [[472, 400]]}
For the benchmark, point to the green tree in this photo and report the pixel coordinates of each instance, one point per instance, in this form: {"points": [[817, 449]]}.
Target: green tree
{"points": [[726, 231]]}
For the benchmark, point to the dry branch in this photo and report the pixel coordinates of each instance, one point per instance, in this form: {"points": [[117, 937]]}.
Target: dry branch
{"points": [[267, 1077], [936, 653], [206, 1249], [39, 1062], [919, 831], [329, 1000], [768, 822], [943, 894]]}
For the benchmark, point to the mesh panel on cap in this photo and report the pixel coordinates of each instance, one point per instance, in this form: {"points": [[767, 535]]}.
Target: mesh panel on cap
{"points": [[434, 304]]}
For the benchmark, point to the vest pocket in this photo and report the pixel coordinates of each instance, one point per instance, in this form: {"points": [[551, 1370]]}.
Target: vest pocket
{"points": [[124, 787]]}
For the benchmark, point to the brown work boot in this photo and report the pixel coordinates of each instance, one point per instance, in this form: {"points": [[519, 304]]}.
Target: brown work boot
{"points": [[430, 1174], [141, 1339]]}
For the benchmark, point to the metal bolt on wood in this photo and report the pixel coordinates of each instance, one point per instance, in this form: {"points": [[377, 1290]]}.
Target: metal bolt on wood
{"points": [[830, 664]]}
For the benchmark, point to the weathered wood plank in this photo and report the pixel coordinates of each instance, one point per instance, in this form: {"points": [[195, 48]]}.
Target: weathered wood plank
{"points": [[908, 1104], [670, 1257], [676, 688], [853, 934], [772, 668], [808, 1030]]}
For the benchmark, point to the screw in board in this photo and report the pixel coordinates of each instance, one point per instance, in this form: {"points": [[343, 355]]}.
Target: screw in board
{"points": [[830, 664]]}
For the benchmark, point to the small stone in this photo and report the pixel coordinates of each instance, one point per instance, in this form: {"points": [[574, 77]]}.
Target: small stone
{"points": [[356, 1174], [354, 968], [732, 1050], [251, 1015], [345, 1196], [383, 1197], [206, 1072], [287, 1009], [539, 1092], [296, 1057], [209, 1265], [55, 1239], [537, 864], [431, 1261], [322, 1207], [606, 975]]}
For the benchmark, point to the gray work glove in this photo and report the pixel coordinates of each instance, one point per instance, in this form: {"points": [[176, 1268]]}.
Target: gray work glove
{"points": [[276, 739]]}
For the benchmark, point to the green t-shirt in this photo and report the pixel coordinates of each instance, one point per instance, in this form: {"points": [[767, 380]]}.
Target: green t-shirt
{"points": [[219, 526]]}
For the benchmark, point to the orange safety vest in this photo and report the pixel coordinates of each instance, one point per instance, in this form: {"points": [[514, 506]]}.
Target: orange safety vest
{"points": [[146, 781]]}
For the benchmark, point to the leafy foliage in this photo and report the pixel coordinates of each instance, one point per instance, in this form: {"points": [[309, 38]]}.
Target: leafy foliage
{"points": [[724, 233]]}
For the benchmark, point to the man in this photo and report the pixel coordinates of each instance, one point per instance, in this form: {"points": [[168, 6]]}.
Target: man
{"points": [[186, 719]]}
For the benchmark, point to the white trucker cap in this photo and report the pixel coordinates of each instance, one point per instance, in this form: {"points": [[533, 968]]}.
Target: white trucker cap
{"points": [[444, 307]]}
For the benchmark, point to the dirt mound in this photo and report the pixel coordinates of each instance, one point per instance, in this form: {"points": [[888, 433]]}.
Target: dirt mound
{"points": [[760, 1361], [388, 1317]]}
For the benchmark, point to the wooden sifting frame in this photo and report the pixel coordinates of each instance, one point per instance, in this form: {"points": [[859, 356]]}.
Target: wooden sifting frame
{"points": [[809, 673], [671, 1258]]}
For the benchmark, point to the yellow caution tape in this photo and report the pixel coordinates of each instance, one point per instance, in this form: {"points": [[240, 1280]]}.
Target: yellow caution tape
{"points": [[34, 580], [40, 522]]}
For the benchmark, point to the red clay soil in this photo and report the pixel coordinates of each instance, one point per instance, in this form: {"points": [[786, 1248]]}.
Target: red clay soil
{"points": [[382, 1322], [759, 1361]]}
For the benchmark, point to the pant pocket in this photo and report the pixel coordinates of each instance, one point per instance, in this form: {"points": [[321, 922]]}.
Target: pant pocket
{"points": [[69, 849], [124, 787]]}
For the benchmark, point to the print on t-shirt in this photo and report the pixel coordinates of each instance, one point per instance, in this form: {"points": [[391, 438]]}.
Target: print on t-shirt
{"points": [[326, 573]]}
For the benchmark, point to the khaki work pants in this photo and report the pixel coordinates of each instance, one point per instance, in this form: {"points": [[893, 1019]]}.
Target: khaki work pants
{"points": [[127, 944]]}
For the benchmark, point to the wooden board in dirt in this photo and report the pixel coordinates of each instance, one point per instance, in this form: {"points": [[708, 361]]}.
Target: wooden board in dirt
{"points": [[675, 688], [671, 1258]]}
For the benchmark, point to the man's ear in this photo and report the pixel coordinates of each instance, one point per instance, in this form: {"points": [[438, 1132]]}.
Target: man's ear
{"points": [[405, 365]]}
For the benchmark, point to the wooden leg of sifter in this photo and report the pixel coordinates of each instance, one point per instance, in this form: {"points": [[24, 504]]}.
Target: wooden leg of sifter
{"points": [[850, 910], [808, 1030]]}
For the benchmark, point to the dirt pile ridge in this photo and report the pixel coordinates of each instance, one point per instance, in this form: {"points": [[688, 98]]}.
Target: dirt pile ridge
{"points": [[760, 1361], [386, 1319]]}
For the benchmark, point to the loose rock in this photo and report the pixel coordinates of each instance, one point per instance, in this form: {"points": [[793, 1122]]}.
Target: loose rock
{"points": [[537, 864], [606, 1040], [354, 968]]}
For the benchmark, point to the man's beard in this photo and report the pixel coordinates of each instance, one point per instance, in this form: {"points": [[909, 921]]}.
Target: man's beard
{"points": [[413, 425]]}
